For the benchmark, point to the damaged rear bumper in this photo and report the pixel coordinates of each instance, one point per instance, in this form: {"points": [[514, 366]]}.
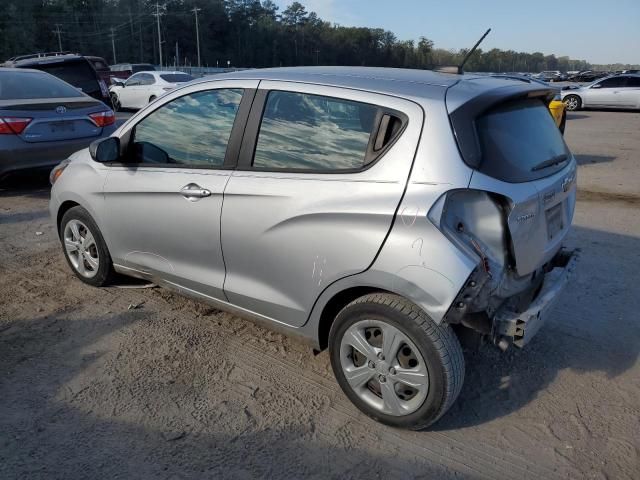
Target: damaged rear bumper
{"points": [[518, 328]]}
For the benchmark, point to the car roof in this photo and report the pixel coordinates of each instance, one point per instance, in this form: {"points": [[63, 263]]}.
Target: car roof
{"points": [[408, 83]]}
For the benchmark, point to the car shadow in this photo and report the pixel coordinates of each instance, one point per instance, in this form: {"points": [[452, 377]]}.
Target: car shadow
{"points": [[576, 116], [53, 423], [583, 334], [33, 183], [584, 159]]}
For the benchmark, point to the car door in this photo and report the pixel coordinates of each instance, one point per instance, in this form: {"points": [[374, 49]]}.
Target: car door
{"points": [[145, 90], [320, 176], [630, 94], [127, 94], [163, 198], [605, 93]]}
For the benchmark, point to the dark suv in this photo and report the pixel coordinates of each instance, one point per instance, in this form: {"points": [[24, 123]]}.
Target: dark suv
{"points": [[74, 69]]}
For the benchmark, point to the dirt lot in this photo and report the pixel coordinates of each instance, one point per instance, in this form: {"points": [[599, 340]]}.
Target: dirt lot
{"points": [[91, 388]]}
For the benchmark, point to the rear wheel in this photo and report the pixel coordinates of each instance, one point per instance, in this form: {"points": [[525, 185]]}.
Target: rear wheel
{"points": [[394, 363], [84, 248], [572, 102]]}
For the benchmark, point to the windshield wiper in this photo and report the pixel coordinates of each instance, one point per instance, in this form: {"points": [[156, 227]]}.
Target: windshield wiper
{"points": [[563, 157]]}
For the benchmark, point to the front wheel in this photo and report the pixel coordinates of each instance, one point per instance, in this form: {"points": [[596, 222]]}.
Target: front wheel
{"points": [[115, 101], [84, 248], [572, 102], [395, 363]]}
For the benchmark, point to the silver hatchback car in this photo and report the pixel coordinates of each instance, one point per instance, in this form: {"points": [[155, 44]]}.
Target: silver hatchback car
{"points": [[380, 213]]}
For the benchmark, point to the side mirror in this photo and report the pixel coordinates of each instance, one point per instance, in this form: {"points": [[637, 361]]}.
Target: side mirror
{"points": [[117, 82], [597, 85], [105, 149]]}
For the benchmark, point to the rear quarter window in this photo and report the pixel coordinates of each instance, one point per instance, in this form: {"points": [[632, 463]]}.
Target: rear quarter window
{"points": [[516, 138]]}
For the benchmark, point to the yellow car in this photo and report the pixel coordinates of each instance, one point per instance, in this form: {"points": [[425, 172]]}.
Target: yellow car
{"points": [[556, 107]]}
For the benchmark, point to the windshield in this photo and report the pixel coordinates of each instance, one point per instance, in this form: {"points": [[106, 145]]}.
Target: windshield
{"points": [[176, 77], [517, 138], [77, 73], [26, 85]]}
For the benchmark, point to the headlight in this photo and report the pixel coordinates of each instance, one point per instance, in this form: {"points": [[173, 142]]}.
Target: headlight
{"points": [[57, 171]]}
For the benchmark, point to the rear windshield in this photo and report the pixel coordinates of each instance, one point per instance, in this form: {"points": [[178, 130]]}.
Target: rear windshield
{"points": [[176, 77], [78, 73], [142, 67], [25, 85], [517, 139]]}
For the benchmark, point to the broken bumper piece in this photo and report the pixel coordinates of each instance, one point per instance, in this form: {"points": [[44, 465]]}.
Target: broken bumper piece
{"points": [[520, 327]]}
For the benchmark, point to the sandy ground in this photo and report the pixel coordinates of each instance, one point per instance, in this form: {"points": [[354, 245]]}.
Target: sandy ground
{"points": [[172, 389]]}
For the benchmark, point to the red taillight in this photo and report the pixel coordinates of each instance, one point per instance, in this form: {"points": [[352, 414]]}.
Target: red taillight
{"points": [[103, 119], [13, 125]]}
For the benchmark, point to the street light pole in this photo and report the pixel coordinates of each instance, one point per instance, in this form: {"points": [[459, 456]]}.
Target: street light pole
{"points": [[57, 32], [157, 15]]}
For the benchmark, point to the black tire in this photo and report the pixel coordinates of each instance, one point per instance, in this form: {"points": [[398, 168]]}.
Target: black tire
{"points": [[572, 103], [563, 122], [115, 101], [105, 272], [438, 345]]}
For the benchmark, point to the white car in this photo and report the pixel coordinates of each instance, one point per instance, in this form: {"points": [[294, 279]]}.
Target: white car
{"points": [[143, 88], [617, 91]]}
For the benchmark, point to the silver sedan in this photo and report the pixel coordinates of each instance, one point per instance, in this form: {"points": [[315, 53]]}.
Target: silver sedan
{"points": [[617, 91]]}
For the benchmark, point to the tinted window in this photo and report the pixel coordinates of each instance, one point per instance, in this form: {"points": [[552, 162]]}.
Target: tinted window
{"points": [[176, 77], [23, 85], [301, 131], [633, 82], [612, 82], [78, 73], [191, 130], [516, 137]]}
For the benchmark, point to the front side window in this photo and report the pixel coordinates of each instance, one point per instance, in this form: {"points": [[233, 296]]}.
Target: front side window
{"points": [[192, 130], [147, 79], [633, 82], [133, 81], [615, 82], [312, 132]]}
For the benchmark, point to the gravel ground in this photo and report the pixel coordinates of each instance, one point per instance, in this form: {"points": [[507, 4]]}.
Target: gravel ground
{"points": [[142, 383]]}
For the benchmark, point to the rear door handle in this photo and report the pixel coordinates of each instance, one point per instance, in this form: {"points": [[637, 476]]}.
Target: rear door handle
{"points": [[193, 192]]}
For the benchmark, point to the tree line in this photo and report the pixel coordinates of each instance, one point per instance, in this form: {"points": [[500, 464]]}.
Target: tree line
{"points": [[245, 33]]}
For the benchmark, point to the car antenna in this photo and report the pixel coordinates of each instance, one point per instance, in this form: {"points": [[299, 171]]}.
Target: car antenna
{"points": [[458, 70]]}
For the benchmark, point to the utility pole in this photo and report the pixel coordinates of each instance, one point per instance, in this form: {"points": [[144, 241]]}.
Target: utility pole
{"points": [[157, 15], [195, 12], [113, 45], [57, 32], [177, 56]]}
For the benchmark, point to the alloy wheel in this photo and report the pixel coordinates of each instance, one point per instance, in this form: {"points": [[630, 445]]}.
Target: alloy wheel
{"points": [[81, 248]]}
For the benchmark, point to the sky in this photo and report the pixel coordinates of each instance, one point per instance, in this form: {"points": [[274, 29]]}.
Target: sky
{"points": [[599, 31]]}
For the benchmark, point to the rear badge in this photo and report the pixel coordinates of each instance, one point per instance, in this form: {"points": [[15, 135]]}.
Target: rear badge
{"points": [[524, 218], [61, 109]]}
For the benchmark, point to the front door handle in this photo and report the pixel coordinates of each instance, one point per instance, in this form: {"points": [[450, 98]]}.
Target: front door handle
{"points": [[193, 192]]}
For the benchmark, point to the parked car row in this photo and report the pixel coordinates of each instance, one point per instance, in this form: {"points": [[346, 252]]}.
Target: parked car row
{"points": [[144, 87]]}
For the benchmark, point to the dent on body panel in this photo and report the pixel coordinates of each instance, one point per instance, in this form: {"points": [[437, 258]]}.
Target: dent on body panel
{"points": [[427, 268]]}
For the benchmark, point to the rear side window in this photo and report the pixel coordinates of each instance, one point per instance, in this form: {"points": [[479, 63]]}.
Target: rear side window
{"points": [[517, 139], [311, 132], [192, 130], [78, 73], [26, 85]]}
